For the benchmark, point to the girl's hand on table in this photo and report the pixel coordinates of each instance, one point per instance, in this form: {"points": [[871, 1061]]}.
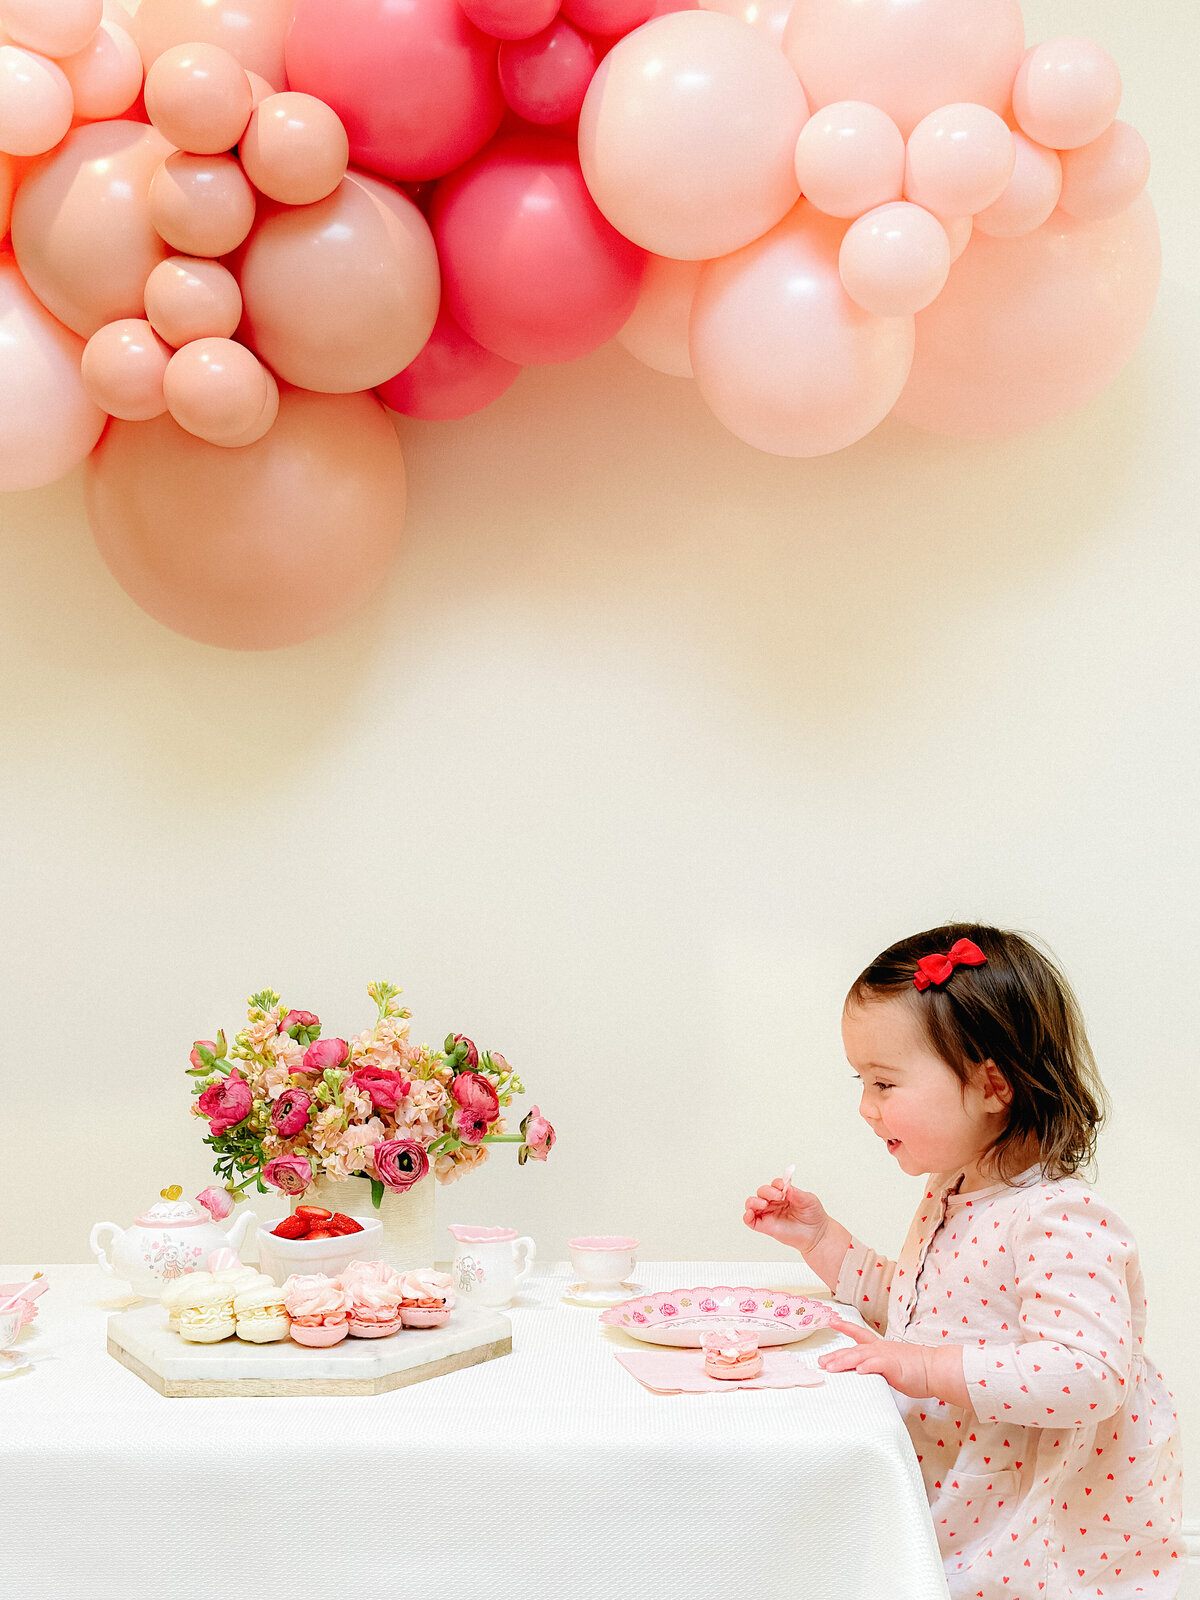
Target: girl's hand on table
{"points": [[920, 1371], [793, 1216]]}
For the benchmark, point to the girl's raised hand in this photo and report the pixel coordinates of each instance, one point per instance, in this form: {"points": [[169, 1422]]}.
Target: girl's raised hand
{"points": [[791, 1215]]}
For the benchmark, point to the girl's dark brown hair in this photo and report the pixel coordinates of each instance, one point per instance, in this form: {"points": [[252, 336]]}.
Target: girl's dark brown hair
{"points": [[1019, 1011]]}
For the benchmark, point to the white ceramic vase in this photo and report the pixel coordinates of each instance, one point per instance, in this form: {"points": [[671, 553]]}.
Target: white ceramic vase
{"points": [[409, 1219]]}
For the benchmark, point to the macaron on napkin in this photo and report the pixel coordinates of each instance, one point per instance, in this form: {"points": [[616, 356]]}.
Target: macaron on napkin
{"points": [[682, 1372]]}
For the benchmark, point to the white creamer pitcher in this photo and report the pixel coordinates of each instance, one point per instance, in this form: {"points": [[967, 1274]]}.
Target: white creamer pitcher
{"points": [[489, 1263]]}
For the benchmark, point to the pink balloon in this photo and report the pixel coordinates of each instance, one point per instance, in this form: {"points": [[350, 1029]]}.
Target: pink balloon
{"points": [[895, 260], [216, 389], [530, 268], [1066, 92], [608, 18], [850, 159], [908, 57], [295, 149], [106, 75], [1028, 329], [51, 27], [35, 102], [545, 78], [47, 422], [657, 332], [1030, 195], [199, 98], [688, 135], [781, 353], [768, 16], [959, 159], [251, 549], [251, 30], [123, 367], [511, 19], [1099, 180], [201, 205], [189, 297], [414, 84], [452, 377]]}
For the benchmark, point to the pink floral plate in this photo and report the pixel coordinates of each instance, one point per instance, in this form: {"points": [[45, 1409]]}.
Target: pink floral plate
{"points": [[681, 1316]]}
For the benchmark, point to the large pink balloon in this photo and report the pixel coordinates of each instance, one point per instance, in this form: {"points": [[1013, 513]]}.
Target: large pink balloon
{"points": [[1027, 329], [452, 377], [908, 57], [414, 84], [47, 422], [259, 547], [530, 268], [782, 354], [251, 30]]}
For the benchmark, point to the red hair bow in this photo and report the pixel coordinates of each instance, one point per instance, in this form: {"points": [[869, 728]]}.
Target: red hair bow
{"points": [[937, 968]]}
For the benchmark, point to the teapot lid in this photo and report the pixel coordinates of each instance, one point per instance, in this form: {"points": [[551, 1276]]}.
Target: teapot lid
{"points": [[171, 1212]]}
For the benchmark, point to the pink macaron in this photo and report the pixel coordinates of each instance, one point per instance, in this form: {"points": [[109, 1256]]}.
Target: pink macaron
{"points": [[320, 1334], [425, 1316], [365, 1328]]}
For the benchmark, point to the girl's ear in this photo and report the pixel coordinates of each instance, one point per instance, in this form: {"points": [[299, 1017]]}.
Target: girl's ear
{"points": [[995, 1085]]}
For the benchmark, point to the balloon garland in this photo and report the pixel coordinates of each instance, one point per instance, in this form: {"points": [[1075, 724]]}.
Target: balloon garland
{"points": [[244, 233]]}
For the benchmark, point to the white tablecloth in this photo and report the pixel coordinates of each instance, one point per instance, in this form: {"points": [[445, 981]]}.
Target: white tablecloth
{"points": [[547, 1475]]}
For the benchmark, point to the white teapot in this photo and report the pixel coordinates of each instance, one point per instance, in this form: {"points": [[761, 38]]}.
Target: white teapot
{"points": [[166, 1242]]}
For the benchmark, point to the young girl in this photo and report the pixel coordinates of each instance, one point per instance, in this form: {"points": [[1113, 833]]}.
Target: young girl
{"points": [[1013, 1320]]}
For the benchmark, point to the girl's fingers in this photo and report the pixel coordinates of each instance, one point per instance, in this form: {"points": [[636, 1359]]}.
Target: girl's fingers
{"points": [[755, 1204], [770, 1194], [855, 1331]]}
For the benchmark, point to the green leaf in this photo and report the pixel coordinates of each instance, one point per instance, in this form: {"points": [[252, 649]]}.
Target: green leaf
{"points": [[376, 1193]]}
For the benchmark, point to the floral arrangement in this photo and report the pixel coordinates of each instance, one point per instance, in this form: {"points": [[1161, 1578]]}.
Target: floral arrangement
{"points": [[285, 1106]]}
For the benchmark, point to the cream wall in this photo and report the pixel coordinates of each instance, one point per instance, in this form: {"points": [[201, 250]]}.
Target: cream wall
{"points": [[650, 744]]}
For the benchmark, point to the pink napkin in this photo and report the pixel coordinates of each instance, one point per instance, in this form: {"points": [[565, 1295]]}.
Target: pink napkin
{"points": [[682, 1372]]}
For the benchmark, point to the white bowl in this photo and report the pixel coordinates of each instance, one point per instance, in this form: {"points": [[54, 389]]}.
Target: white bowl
{"points": [[282, 1257]]}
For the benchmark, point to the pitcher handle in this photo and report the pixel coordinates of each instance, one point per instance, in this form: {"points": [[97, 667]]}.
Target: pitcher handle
{"points": [[96, 1244], [528, 1251]]}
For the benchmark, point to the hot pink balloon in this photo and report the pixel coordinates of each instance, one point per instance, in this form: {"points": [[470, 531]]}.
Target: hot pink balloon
{"points": [[1029, 196], [106, 75], [1099, 180], [895, 260], [781, 353], [545, 78], [908, 57], [251, 30], [850, 158], [958, 160], [1066, 92], [51, 27], [657, 332], [1028, 329], [511, 19], [123, 368], [35, 102], [47, 422], [609, 18], [452, 377], [199, 97], [530, 268], [415, 84]]}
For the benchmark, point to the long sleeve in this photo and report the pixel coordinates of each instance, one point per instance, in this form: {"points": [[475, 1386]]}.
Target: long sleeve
{"points": [[864, 1280]]}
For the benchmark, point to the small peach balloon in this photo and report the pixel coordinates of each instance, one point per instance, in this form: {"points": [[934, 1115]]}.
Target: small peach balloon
{"points": [[191, 297], [123, 367], [895, 260], [958, 160], [106, 75], [850, 158], [51, 27], [1099, 180], [35, 102], [262, 424], [657, 332], [1066, 92], [259, 88], [295, 149], [251, 30], [1029, 196], [201, 205], [199, 97], [216, 389]]}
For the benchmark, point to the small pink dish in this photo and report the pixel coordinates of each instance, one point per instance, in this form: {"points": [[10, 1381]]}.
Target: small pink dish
{"points": [[319, 1337], [466, 1234], [603, 1241], [681, 1317]]}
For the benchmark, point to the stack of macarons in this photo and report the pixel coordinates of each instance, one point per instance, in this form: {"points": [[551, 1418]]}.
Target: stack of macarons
{"points": [[375, 1296], [732, 1353], [206, 1307], [318, 1308], [428, 1298]]}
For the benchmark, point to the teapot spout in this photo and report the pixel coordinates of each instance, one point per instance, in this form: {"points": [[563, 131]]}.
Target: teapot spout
{"points": [[237, 1233]]}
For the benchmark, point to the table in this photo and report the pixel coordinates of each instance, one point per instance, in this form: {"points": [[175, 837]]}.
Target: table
{"points": [[547, 1475]]}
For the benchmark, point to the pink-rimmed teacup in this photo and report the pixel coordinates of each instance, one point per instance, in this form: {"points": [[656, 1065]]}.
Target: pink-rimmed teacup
{"points": [[603, 1260]]}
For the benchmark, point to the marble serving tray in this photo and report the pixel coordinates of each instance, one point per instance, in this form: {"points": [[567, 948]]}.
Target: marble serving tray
{"points": [[142, 1341]]}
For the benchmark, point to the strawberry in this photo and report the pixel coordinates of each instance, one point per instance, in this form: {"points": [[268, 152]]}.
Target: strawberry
{"points": [[323, 1231], [291, 1228], [344, 1224], [313, 1213]]}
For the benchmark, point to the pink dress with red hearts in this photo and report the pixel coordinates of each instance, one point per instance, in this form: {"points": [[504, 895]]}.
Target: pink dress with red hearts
{"points": [[1063, 1482]]}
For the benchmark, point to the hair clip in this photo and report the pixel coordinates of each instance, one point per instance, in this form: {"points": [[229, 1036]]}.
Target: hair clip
{"points": [[935, 969]]}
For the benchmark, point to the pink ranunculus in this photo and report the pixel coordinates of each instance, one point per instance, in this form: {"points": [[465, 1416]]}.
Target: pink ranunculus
{"points": [[292, 1174], [469, 1125], [299, 1019], [399, 1163], [194, 1056], [539, 1135], [472, 1056], [217, 1202], [289, 1114], [226, 1103], [476, 1093], [385, 1088], [323, 1054]]}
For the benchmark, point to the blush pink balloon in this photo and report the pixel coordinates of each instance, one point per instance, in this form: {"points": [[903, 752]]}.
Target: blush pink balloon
{"points": [[895, 260], [35, 102], [51, 27], [254, 548], [452, 377], [850, 158], [908, 57], [1099, 180], [530, 268], [295, 149], [608, 18], [768, 16], [216, 389], [1028, 329], [781, 353], [199, 98], [81, 224], [259, 88], [958, 232], [342, 294], [201, 205], [48, 424], [511, 19], [123, 367], [251, 30], [1030, 194], [190, 297], [545, 78], [657, 332], [958, 160], [265, 420], [1066, 92], [106, 75], [414, 84], [688, 135]]}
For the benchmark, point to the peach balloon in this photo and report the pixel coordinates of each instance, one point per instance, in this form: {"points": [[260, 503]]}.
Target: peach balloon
{"points": [[199, 97], [908, 57], [657, 332], [1099, 180], [254, 548], [688, 133], [251, 30], [958, 232], [1028, 329], [781, 353], [35, 102], [81, 224], [895, 260], [958, 160], [263, 423], [259, 88], [106, 75], [202, 205], [342, 294], [47, 422], [215, 388], [51, 27], [123, 367], [1030, 194], [850, 158], [190, 297], [1066, 92], [295, 149], [768, 16]]}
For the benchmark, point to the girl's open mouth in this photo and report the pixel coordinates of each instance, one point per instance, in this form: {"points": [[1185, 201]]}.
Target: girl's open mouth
{"points": [[893, 1145]]}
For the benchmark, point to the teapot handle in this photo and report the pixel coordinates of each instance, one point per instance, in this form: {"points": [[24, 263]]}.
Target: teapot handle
{"points": [[102, 1233], [528, 1255]]}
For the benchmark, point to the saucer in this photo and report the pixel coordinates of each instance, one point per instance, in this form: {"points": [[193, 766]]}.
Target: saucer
{"points": [[580, 1295]]}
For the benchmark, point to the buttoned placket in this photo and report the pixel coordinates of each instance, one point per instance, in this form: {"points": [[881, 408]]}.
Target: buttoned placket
{"points": [[904, 1302]]}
